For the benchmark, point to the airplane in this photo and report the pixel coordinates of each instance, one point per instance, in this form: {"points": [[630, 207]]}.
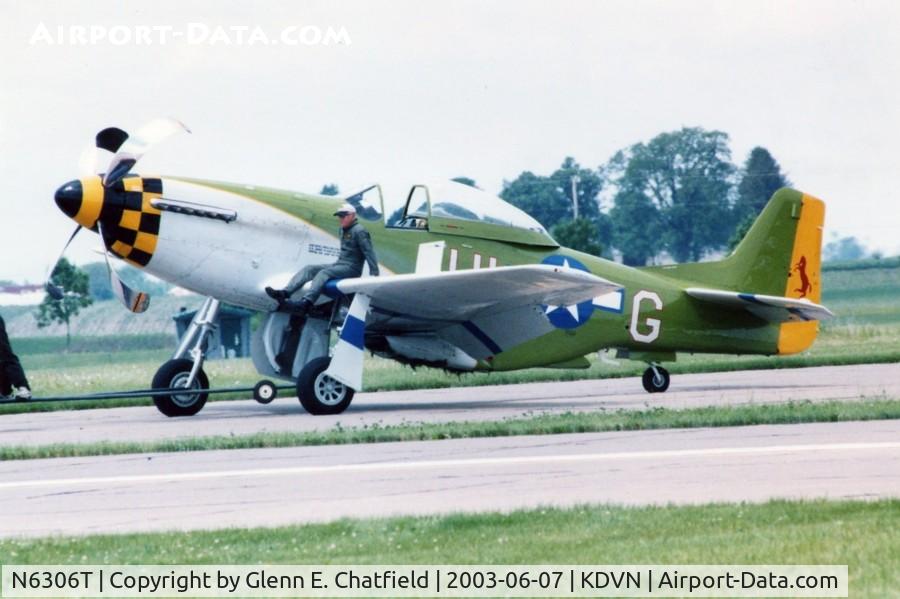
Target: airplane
{"points": [[469, 282]]}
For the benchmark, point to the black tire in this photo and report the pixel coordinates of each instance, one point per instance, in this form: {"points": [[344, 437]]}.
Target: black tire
{"points": [[172, 375], [654, 385], [321, 395], [265, 391]]}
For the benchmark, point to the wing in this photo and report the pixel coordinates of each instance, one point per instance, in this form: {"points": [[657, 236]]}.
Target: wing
{"points": [[483, 312], [768, 307]]}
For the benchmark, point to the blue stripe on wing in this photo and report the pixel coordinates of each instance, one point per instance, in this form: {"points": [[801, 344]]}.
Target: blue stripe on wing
{"points": [[799, 312], [749, 297], [482, 337], [470, 326]]}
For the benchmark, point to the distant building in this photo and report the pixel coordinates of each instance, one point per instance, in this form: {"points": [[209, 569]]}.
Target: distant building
{"points": [[21, 295], [231, 339]]}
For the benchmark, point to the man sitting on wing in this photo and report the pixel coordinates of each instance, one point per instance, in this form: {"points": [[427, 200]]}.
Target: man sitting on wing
{"points": [[356, 248]]}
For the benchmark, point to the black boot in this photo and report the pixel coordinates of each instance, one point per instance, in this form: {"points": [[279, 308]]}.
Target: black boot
{"points": [[277, 294], [299, 308]]}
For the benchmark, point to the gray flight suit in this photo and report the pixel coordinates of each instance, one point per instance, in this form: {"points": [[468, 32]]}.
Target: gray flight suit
{"points": [[356, 249]]}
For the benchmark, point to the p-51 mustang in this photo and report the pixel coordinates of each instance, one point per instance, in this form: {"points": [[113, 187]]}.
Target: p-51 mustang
{"points": [[469, 283]]}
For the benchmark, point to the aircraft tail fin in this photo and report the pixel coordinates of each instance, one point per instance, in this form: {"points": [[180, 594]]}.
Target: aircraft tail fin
{"points": [[779, 256], [781, 253], [771, 241]]}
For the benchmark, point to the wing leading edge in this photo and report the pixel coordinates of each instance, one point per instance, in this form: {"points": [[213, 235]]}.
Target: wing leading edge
{"points": [[460, 295]]}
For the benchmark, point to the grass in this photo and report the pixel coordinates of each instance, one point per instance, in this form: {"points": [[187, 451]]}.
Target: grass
{"points": [[860, 534], [109, 344], [548, 424]]}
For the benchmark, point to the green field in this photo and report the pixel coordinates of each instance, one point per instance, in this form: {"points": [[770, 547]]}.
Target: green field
{"points": [[113, 345], [859, 534], [866, 330], [862, 297]]}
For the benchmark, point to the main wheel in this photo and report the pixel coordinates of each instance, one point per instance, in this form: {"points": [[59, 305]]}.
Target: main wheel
{"points": [[319, 393], [654, 383], [174, 374], [265, 391]]}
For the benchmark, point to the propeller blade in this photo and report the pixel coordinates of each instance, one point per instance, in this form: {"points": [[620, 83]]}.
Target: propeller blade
{"points": [[155, 132], [95, 157], [118, 168], [134, 301], [54, 290], [128, 149], [90, 160], [111, 139]]}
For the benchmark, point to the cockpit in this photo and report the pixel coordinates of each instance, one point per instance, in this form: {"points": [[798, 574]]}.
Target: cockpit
{"points": [[452, 208]]}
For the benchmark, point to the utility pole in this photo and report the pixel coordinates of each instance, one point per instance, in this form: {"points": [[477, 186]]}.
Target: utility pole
{"points": [[575, 180]]}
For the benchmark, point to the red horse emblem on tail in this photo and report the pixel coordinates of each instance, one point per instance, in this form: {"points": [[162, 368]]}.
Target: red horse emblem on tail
{"points": [[805, 285]]}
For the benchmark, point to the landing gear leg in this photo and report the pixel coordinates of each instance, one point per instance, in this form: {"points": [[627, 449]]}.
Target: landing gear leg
{"points": [[183, 372], [656, 379]]}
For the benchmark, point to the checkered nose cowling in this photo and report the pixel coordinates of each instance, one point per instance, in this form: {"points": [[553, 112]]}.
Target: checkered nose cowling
{"points": [[127, 220]]}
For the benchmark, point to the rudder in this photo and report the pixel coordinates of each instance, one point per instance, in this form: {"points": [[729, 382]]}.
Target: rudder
{"points": [[805, 277]]}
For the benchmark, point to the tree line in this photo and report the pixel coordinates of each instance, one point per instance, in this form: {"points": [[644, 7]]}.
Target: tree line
{"points": [[679, 194]]}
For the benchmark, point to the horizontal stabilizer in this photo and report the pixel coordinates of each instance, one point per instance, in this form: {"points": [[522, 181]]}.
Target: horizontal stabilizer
{"points": [[771, 308]]}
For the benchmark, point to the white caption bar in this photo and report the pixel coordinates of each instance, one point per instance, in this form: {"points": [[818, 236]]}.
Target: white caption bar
{"points": [[425, 581]]}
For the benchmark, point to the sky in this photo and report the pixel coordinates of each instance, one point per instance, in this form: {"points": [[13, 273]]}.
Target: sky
{"points": [[297, 94]]}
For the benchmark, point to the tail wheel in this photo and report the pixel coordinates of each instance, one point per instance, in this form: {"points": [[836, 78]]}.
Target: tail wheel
{"points": [[319, 393], [265, 392], [174, 374], [656, 381]]}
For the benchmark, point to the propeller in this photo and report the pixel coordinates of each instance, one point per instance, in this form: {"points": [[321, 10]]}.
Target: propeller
{"points": [[125, 150]]}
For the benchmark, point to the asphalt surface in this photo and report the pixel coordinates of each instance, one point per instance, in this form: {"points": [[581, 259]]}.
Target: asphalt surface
{"points": [[214, 489], [457, 404]]}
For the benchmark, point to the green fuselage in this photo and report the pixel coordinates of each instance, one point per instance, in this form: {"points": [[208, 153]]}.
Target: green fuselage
{"points": [[684, 324]]}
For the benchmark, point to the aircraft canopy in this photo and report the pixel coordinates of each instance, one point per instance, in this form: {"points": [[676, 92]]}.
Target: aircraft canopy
{"points": [[459, 209]]}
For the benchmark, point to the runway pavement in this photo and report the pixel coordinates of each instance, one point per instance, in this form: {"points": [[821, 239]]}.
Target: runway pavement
{"points": [[182, 491], [456, 404]]}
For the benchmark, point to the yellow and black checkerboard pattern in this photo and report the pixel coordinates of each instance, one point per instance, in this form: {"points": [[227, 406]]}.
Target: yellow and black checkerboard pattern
{"points": [[130, 223]]}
